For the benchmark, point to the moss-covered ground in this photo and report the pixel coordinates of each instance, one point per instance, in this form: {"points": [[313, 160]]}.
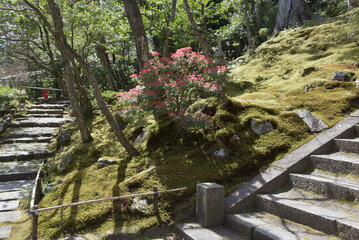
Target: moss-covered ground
{"points": [[279, 71]]}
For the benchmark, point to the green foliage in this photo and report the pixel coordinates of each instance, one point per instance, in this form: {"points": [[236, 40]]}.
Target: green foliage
{"points": [[8, 95]]}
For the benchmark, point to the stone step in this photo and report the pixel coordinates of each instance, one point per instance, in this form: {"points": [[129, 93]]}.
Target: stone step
{"points": [[45, 115], [347, 145], [26, 140], [261, 225], [47, 106], [316, 211], [30, 132], [5, 231], [23, 151], [19, 170], [14, 185], [339, 162], [327, 185], [194, 231], [41, 122], [6, 196], [43, 111], [9, 205], [14, 176], [12, 216]]}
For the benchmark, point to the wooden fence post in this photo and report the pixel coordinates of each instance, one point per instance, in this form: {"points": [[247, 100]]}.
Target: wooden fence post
{"points": [[155, 204], [35, 222]]}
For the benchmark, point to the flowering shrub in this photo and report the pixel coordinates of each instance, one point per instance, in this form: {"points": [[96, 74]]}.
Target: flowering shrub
{"points": [[170, 85]]}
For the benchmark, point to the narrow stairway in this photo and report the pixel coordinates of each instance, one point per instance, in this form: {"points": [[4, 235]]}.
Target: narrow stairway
{"points": [[320, 203], [23, 147]]}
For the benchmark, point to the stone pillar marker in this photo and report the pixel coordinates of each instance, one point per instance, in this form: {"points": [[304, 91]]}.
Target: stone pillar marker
{"points": [[209, 204]]}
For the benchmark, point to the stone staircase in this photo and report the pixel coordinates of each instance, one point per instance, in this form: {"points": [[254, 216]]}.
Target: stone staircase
{"points": [[312, 193], [23, 147]]}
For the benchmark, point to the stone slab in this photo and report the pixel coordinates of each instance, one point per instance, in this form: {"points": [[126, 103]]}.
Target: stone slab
{"points": [[9, 205], [14, 185], [11, 195], [37, 115], [5, 232], [30, 132], [47, 106], [42, 122], [42, 111], [347, 145], [348, 229], [27, 140], [339, 162], [23, 151], [11, 216], [19, 166], [194, 231], [296, 161]]}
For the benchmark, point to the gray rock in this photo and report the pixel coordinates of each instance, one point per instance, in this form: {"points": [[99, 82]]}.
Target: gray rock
{"points": [[65, 161], [11, 216], [140, 205], [341, 76], [63, 138], [101, 163], [5, 232], [74, 238], [142, 136], [221, 153], [235, 138], [305, 89], [262, 127], [314, 123]]}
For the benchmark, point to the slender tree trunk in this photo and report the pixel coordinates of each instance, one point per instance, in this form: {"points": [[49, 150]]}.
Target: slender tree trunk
{"points": [[85, 134], [352, 4], [259, 6], [248, 27], [166, 52], [199, 37], [84, 100], [290, 13], [138, 30], [61, 40]]}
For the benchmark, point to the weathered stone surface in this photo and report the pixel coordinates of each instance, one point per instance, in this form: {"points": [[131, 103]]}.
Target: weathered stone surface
{"points": [[194, 231], [261, 128], [45, 115], [336, 188], [5, 196], [63, 139], [209, 204], [5, 232], [348, 229], [47, 106], [31, 132], [140, 205], [339, 162], [314, 123], [65, 161], [27, 140], [347, 145], [342, 76], [14, 185], [74, 238], [101, 163], [142, 136], [43, 111], [25, 151], [11, 216], [19, 166], [42, 122], [9, 205], [220, 153]]}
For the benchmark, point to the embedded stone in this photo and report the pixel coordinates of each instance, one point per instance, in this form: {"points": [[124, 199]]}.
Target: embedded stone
{"points": [[261, 128], [314, 123]]}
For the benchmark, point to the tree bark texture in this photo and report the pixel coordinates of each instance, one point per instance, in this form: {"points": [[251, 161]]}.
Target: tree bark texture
{"points": [[259, 6], [105, 62], [290, 13], [138, 30], [352, 4], [61, 39], [248, 27], [197, 34], [166, 52]]}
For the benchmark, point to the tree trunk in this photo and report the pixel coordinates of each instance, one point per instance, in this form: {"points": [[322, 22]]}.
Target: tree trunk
{"points": [[166, 52], [105, 62], [85, 134], [199, 37], [248, 27], [138, 30], [259, 6], [61, 40], [290, 13], [352, 4], [84, 100]]}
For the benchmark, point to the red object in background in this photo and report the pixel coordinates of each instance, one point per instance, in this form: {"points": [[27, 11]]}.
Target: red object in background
{"points": [[45, 94]]}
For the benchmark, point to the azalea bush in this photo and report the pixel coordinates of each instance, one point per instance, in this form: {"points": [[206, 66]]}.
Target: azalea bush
{"points": [[168, 86]]}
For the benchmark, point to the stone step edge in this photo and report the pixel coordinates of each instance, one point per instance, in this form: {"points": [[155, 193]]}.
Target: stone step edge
{"points": [[194, 231], [335, 165], [326, 186], [15, 176], [296, 161]]}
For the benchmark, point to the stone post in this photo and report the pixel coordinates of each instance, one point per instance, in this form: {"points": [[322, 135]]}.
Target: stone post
{"points": [[210, 204], [219, 61]]}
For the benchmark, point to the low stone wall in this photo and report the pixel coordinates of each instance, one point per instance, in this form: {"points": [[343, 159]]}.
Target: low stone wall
{"points": [[5, 123]]}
